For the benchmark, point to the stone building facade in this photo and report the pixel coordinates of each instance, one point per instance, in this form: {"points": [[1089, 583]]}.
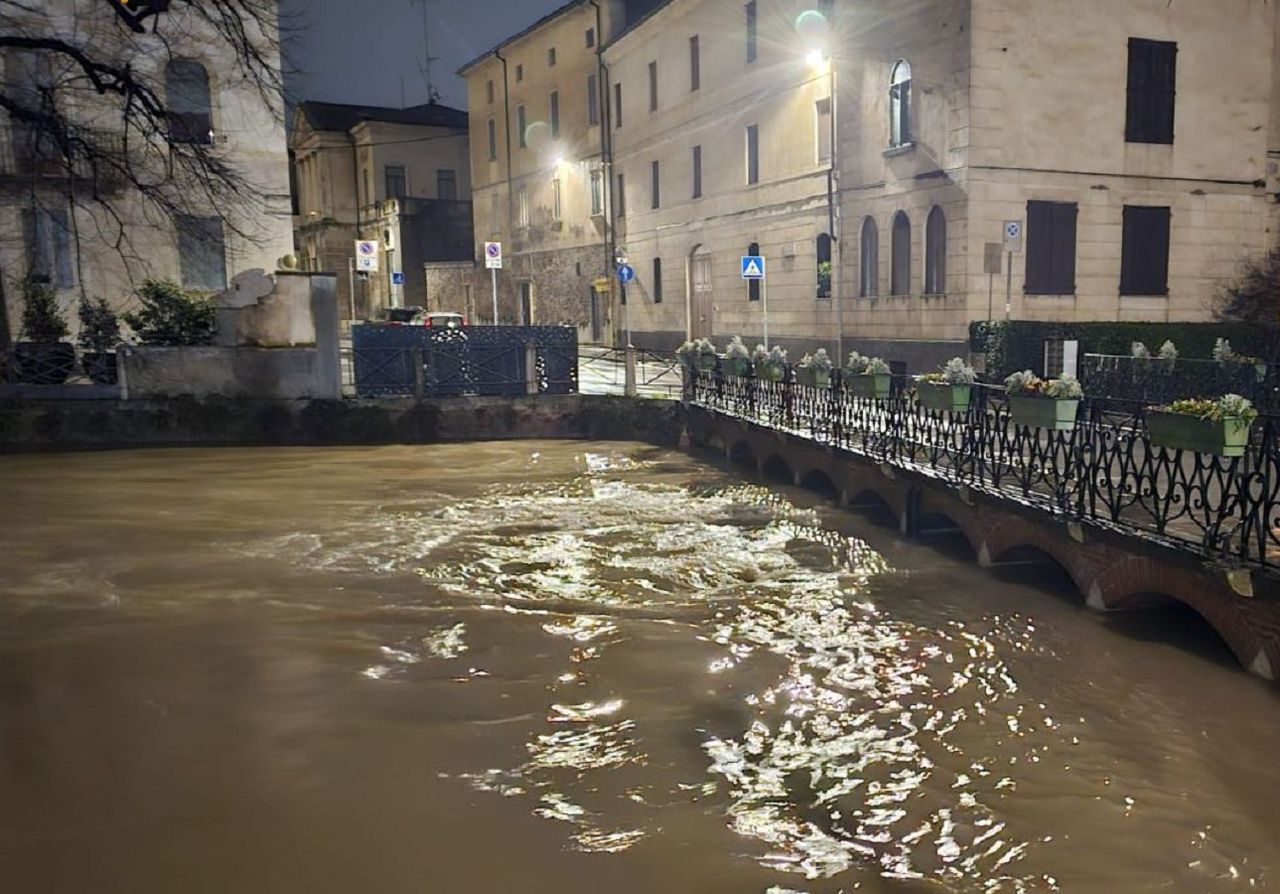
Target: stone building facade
{"points": [[539, 173], [52, 224], [1135, 144], [400, 177]]}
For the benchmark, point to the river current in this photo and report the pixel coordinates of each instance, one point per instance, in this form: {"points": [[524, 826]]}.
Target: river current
{"points": [[553, 667]]}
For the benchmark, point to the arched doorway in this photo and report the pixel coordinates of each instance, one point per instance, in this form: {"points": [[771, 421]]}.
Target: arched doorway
{"points": [[701, 306]]}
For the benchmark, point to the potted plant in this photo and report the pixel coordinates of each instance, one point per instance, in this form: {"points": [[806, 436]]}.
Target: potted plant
{"points": [[171, 317], [868, 376], [98, 339], [1220, 427], [1138, 351], [814, 369], [737, 362], [1041, 403], [1168, 351], [770, 365], [948, 389], [1223, 353], [41, 357]]}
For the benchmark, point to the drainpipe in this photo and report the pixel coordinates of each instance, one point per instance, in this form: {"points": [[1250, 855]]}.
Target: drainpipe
{"points": [[606, 154], [355, 171], [506, 132]]}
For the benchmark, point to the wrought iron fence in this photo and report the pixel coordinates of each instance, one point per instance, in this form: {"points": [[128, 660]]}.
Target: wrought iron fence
{"points": [[1156, 381], [1105, 469], [59, 363], [388, 360], [603, 371]]}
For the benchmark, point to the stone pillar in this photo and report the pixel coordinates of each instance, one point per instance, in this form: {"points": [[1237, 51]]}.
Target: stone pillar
{"points": [[324, 313], [630, 388]]}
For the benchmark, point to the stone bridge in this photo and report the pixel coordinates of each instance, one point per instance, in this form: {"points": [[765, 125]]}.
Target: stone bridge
{"points": [[1113, 570]]}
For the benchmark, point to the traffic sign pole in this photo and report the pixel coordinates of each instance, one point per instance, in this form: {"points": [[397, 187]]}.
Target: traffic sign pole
{"points": [[764, 306], [493, 275]]}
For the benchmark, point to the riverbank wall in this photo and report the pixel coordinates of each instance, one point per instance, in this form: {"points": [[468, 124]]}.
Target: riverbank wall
{"points": [[61, 425]]}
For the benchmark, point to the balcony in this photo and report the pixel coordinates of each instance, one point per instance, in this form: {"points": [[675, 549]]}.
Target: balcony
{"points": [[26, 154]]}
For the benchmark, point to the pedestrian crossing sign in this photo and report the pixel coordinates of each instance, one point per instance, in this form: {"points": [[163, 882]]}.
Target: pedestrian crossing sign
{"points": [[752, 267]]}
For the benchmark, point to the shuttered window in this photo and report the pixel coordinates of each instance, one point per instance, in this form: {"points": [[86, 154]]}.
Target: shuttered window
{"points": [[47, 234], [655, 185], [1152, 91], [1051, 248], [900, 268], [753, 285], [657, 280], [697, 172], [1144, 264], [869, 260], [202, 253]]}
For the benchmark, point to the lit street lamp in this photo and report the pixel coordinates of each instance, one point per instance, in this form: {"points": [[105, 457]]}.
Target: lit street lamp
{"points": [[818, 59]]}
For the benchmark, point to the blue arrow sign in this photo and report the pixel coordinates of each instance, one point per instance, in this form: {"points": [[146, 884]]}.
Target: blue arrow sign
{"points": [[397, 278], [626, 273], [752, 267]]}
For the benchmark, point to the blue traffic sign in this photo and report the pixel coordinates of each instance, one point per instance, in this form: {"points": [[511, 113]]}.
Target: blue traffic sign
{"points": [[397, 278], [626, 273], [752, 267]]}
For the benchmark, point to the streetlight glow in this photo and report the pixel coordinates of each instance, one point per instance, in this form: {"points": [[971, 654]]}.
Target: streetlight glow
{"points": [[816, 59]]}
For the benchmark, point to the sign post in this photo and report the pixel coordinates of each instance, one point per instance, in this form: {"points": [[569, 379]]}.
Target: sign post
{"points": [[753, 268], [493, 260], [1012, 243], [626, 273]]}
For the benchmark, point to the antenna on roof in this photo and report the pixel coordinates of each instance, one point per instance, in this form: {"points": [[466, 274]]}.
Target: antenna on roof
{"points": [[424, 68]]}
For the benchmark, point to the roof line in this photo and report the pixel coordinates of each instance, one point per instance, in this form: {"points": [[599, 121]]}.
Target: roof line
{"points": [[554, 14]]}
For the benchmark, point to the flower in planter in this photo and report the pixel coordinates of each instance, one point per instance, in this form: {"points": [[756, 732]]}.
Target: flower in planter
{"points": [[1223, 353], [954, 372], [1065, 388], [1138, 351], [818, 361], [876, 367], [1229, 406], [856, 363], [736, 349], [1168, 351], [778, 356]]}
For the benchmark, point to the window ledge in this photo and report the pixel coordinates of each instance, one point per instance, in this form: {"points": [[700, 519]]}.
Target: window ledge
{"points": [[1071, 295], [904, 149], [1124, 295]]}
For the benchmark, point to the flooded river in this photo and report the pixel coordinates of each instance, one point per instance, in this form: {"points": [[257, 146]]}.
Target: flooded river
{"points": [[556, 667]]}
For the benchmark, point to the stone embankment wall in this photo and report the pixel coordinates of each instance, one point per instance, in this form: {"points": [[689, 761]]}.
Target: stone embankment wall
{"points": [[33, 425]]}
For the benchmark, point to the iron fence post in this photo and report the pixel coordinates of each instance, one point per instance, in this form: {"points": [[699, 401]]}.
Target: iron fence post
{"points": [[530, 368], [419, 373]]}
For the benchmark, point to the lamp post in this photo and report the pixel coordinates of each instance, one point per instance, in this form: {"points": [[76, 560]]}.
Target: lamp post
{"points": [[817, 60]]}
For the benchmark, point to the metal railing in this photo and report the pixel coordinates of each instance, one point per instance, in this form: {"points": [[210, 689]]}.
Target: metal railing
{"points": [[604, 371], [1156, 381], [61, 363], [1105, 469]]}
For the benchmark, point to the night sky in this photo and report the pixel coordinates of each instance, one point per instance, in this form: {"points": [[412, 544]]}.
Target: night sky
{"points": [[342, 51]]}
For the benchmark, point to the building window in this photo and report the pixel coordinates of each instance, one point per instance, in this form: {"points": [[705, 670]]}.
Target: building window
{"points": [[556, 207], [202, 253], [751, 31], [593, 101], [900, 105], [900, 262], [397, 188], [935, 253], [554, 113], [697, 172], [824, 265], [551, 57], [695, 64], [1153, 66], [617, 105], [822, 121], [657, 280], [591, 38], [653, 86], [493, 139], [1051, 248], [753, 285], [620, 200], [655, 199], [488, 91], [48, 240], [869, 260], [522, 207], [597, 192], [1144, 260], [521, 136], [186, 86], [753, 154], [446, 184], [519, 73]]}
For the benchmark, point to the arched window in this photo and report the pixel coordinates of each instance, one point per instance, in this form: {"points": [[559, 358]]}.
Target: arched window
{"points": [[900, 271], [935, 253], [900, 104], [824, 265], [753, 285], [186, 85], [869, 262]]}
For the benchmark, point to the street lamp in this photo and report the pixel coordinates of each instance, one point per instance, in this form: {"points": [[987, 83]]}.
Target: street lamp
{"points": [[818, 59]]}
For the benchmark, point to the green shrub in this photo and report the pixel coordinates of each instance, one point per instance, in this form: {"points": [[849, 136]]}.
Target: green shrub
{"points": [[99, 327], [171, 317], [42, 319]]}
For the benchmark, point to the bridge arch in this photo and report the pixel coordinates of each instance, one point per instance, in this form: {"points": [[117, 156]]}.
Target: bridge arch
{"points": [[820, 481], [775, 468], [740, 452]]}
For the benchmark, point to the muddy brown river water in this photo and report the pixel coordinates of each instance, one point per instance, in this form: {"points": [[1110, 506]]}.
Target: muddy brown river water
{"points": [[570, 667]]}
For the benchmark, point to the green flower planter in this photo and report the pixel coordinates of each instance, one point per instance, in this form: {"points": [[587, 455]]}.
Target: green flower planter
{"points": [[1227, 437], [1043, 412], [944, 397], [705, 361], [736, 366], [814, 378], [872, 387], [770, 372]]}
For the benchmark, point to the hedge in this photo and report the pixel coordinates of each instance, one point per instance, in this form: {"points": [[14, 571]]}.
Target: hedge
{"points": [[1012, 345]]}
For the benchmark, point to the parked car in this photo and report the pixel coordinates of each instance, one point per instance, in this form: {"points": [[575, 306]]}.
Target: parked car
{"points": [[420, 316], [411, 316], [444, 320]]}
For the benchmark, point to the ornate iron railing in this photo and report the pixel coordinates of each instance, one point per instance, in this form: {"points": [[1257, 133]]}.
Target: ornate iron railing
{"points": [[1104, 470], [1156, 381]]}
